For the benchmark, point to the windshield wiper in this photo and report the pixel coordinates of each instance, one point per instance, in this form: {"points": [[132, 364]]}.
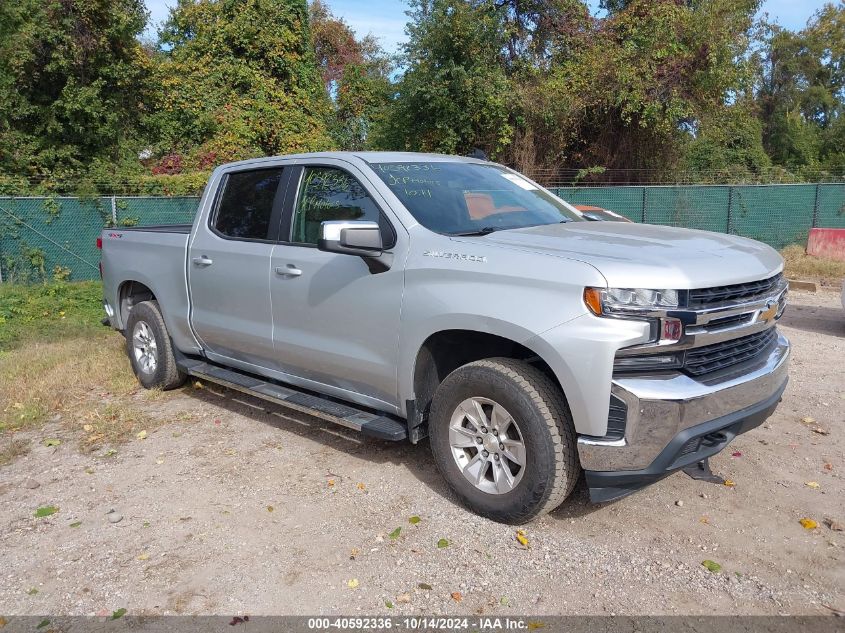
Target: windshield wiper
{"points": [[483, 231]]}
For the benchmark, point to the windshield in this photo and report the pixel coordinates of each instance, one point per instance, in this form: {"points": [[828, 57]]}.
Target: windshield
{"points": [[470, 198]]}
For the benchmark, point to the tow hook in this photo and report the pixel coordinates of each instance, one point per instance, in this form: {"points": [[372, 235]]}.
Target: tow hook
{"points": [[701, 472]]}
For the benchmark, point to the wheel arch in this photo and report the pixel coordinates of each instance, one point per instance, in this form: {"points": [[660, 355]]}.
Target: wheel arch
{"points": [[443, 351], [130, 293]]}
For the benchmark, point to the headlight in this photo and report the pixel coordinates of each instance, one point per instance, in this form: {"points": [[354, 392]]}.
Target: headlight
{"points": [[638, 303], [626, 301]]}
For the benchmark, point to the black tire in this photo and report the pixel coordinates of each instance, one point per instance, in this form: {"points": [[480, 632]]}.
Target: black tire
{"points": [[539, 408], [165, 374]]}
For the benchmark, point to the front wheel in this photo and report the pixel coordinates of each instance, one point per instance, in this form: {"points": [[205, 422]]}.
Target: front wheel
{"points": [[150, 350], [503, 438]]}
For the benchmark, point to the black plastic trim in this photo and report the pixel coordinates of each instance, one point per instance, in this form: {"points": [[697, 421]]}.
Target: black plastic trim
{"points": [[610, 485], [153, 228]]}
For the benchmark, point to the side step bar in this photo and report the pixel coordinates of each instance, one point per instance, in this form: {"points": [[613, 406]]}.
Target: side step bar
{"points": [[375, 425]]}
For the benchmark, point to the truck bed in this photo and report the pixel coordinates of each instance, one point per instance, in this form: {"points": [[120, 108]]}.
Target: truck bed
{"points": [[154, 256]]}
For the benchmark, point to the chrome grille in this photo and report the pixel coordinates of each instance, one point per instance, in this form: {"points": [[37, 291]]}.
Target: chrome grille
{"points": [[703, 360], [703, 297]]}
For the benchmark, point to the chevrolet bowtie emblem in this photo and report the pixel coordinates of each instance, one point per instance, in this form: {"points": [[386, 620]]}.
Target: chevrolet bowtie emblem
{"points": [[770, 312]]}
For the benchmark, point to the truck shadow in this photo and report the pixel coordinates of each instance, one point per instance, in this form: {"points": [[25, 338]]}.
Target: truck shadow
{"points": [[416, 459], [815, 319]]}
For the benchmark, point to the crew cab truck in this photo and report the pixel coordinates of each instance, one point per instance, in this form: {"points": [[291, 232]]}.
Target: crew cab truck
{"points": [[410, 295]]}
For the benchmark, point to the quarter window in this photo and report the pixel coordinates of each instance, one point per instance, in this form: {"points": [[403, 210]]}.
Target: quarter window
{"points": [[328, 194], [246, 204]]}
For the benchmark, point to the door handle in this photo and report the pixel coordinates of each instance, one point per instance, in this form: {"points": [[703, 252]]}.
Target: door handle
{"points": [[202, 261], [288, 271]]}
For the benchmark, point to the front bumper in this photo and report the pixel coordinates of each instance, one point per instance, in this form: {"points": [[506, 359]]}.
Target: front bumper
{"points": [[674, 421]]}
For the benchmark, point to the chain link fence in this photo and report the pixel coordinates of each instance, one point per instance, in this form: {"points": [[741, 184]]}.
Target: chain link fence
{"points": [[778, 215], [55, 237]]}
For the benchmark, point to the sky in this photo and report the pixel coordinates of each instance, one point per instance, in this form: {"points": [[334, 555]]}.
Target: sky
{"points": [[386, 18]]}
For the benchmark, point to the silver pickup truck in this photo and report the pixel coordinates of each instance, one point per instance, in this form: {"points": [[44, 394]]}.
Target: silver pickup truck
{"points": [[420, 295]]}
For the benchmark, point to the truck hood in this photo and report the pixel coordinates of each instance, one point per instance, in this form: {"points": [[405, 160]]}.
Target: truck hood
{"points": [[649, 256]]}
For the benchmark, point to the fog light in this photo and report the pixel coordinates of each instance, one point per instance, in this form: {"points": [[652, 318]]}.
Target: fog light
{"points": [[654, 362]]}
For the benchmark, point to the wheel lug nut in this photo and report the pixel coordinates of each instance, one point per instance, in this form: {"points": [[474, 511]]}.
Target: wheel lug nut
{"points": [[496, 457], [483, 429], [501, 447], [485, 453], [495, 432], [478, 440]]}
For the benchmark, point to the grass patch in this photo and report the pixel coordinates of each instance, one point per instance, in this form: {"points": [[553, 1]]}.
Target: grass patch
{"points": [[57, 358], [801, 266], [12, 449], [49, 312]]}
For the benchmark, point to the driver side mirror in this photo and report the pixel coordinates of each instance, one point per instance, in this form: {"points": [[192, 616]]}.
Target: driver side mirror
{"points": [[351, 237]]}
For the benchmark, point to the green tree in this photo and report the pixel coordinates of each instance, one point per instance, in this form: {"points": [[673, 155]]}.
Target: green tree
{"points": [[801, 91], [236, 79], [72, 76], [455, 95], [639, 83], [356, 75]]}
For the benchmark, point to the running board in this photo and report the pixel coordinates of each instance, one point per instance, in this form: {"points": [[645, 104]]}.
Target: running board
{"points": [[370, 424]]}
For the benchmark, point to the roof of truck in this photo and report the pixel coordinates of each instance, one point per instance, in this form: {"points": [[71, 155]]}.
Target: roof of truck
{"points": [[369, 157]]}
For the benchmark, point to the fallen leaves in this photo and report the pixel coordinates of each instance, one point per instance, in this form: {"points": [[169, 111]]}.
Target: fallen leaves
{"points": [[270, 508], [118, 614], [456, 596], [833, 524], [141, 435], [711, 566], [736, 454], [403, 598], [730, 483], [395, 533], [388, 604], [143, 556], [521, 538], [413, 520], [239, 620], [814, 427], [352, 583], [51, 441], [45, 511], [76, 524], [812, 484], [361, 486], [808, 524], [424, 586], [442, 543]]}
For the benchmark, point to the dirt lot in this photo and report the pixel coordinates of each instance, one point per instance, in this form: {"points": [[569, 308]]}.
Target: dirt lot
{"points": [[227, 508]]}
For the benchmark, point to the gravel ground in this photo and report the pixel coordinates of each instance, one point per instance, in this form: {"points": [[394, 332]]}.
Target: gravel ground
{"points": [[249, 511]]}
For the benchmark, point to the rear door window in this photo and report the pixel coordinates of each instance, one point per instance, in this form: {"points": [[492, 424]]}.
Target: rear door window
{"points": [[245, 208]]}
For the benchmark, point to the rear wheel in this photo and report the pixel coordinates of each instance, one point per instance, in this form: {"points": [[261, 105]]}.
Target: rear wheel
{"points": [[503, 438], [150, 350]]}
